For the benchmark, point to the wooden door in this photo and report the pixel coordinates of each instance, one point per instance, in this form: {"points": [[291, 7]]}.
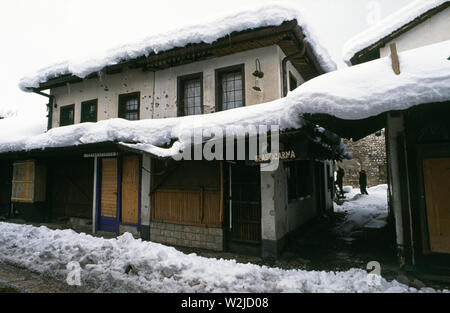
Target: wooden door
{"points": [[130, 190], [437, 186], [108, 200], [246, 204]]}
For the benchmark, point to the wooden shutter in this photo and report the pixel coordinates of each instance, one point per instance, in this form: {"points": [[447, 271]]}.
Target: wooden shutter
{"points": [[437, 185], [109, 188], [23, 181], [130, 190]]}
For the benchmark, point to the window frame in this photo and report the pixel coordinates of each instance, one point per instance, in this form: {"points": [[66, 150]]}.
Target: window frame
{"points": [[122, 100], [181, 80], [83, 104], [218, 83], [64, 108]]}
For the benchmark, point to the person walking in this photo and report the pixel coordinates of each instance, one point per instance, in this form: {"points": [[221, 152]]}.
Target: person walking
{"points": [[340, 181], [363, 182]]}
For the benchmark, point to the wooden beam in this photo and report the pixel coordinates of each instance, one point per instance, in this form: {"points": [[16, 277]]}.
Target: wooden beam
{"points": [[395, 59]]}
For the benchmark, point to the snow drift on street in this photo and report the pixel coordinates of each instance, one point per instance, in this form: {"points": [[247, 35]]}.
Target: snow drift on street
{"points": [[363, 211], [153, 267]]}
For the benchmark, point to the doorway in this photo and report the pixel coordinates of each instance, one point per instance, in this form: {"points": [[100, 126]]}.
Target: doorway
{"points": [[244, 202], [119, 193]]}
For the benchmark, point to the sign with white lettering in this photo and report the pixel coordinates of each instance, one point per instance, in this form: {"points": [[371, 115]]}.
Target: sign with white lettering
{"points": [[101, 155], [266, 157]]}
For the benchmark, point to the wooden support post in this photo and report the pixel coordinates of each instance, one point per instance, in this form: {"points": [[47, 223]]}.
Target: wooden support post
{"points": [[395, 59]]}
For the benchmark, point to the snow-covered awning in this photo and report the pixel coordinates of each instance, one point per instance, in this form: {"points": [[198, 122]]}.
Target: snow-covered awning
{"points": [[355, 93], [396, 23], [263, 16]]}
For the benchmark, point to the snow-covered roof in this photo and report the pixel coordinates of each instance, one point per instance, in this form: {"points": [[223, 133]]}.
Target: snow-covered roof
{"points": [[389, 25], [267, 15], [369, 89], [353, 93]]}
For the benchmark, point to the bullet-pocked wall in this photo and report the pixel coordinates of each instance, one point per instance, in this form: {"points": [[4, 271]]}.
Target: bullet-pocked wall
{"points": [[158, 90]]}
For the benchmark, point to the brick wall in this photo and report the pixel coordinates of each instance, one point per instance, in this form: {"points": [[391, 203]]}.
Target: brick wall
{"points": [[187, 236], [369, 154]]}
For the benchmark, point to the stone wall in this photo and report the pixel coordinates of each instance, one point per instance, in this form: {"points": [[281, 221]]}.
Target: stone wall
{"points": [[369, 154], [187, 236]]}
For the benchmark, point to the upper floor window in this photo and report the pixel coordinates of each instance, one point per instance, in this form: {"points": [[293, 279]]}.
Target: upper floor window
{"points": [[129, 105], [230, 86], [293, 84], [89, 111], [190, 95], [67, 114]]}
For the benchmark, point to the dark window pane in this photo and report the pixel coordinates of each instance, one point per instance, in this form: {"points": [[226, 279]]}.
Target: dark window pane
{"points": [[192, 96], [232, 93], [67, 115], [129, 107], [89, 111]]}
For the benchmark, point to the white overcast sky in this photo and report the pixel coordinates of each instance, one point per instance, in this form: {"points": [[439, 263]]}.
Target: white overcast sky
{"points": [[37, 33]]}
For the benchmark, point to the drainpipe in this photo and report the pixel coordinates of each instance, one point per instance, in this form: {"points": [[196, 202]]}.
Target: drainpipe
{"points": [[51, 100], [284, 66]]}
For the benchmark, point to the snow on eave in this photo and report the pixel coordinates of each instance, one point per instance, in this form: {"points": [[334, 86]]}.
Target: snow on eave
{"points": [[383, 31], [353, 93], [263, 16], [372, 88]]}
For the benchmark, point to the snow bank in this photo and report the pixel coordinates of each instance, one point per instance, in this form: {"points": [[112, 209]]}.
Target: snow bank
{"points": [[156, 268], [387, 26], [372, 88], [267, 15], [364, 211]]}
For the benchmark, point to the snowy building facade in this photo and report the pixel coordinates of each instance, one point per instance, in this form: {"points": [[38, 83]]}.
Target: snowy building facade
{"points": [[92, 170]]}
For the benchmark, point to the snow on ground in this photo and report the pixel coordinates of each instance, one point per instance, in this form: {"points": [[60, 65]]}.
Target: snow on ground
{"points": [[363, 211], [387, 26], [266, 15], [158, 268]]}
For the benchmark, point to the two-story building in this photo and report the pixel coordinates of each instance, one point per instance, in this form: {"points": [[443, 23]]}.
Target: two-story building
{"points": [[115, 124]]}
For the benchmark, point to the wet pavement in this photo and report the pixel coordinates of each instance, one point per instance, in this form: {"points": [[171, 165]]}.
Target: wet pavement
{"points": [[17, 280]]}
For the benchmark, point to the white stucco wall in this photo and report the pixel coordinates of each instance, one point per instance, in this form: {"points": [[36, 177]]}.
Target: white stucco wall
{"points": [[279, 216], [159, 89], [123, 83], [433, 30]]}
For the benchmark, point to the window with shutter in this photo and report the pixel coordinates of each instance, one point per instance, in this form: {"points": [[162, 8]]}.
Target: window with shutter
{"points": [[23, 181]]}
